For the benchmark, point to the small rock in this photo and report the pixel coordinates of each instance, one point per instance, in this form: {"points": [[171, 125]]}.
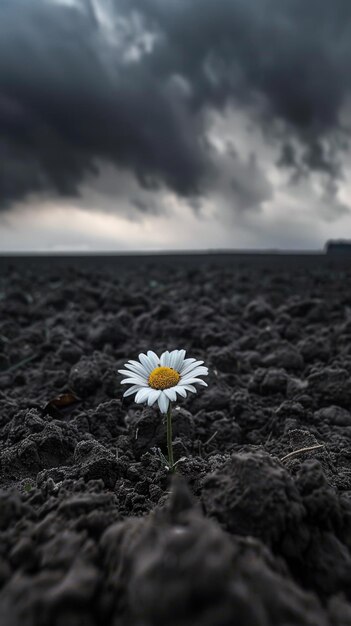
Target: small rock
{"points": [[258, 309], [333, 415], [285, 356], [95, 462], [331, 386], [85, 377]]}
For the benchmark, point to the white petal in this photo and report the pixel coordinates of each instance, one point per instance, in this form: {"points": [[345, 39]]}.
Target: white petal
{"points": [[153, 396], [189, 360], [142, 395], [181, 390], [190, 388], [186, 362], [163, 402], [198, 371], [129, 373], [131, 390], [153, 358], [187, 381], [180, 360], [136, 367], [164, 360], [146, 362], [136, 380], [190, 367], [173, 357], [171, 394]]}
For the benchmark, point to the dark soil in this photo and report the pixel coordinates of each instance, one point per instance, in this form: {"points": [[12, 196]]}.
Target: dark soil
{"points": [[92, 529]]}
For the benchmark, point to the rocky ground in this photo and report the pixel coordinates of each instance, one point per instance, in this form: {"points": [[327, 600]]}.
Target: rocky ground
{"points": [[254, 530]]}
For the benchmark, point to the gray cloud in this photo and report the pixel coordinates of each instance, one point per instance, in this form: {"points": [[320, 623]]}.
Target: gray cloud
{"points": [[248, 184], [133, 88], [68, 99], [287, 60]]}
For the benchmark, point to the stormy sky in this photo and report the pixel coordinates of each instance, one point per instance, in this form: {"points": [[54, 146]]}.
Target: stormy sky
{"points": [[153, 124]]}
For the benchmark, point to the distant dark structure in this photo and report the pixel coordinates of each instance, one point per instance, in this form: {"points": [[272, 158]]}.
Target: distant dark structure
{"points": [[338, 246]]}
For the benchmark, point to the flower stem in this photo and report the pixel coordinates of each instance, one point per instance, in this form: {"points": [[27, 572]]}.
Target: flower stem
{"points": [[169, 439]]}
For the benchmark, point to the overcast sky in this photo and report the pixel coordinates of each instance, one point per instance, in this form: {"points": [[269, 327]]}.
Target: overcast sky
{"points": [[174, 124]]}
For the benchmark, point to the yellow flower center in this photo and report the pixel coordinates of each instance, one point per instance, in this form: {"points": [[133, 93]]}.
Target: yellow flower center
{"points": [[163, 378]]}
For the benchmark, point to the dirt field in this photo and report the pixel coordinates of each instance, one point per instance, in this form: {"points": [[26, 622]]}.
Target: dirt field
{"points": [[254, 530]]}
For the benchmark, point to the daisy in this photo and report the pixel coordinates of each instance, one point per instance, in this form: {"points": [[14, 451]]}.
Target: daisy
{"points": [[155, 379], [160, 379]]}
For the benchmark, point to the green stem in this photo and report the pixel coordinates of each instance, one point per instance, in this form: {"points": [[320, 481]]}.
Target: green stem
{"points": [[169, 439]]}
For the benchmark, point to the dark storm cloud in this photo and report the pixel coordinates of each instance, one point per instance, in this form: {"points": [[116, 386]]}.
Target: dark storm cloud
{"points": [[287, 60], [74, 95], [67, 100]]}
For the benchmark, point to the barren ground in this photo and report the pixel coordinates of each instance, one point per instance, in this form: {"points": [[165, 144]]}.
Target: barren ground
{"points": [[92, 530]]}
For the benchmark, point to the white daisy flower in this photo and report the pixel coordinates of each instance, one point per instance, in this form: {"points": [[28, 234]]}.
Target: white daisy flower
{"points": [[160, 379]]}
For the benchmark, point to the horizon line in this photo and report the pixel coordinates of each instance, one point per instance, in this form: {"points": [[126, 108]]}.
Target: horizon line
{"points": [[177, 252]]}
